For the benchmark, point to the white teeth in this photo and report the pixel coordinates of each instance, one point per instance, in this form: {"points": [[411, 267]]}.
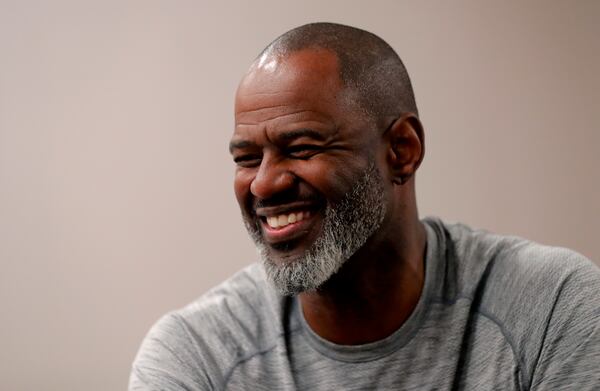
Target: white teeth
{"points": [[272, 221], [283, 220]]}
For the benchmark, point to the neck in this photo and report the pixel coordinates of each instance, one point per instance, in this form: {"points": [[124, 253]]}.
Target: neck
{"points": [[375, 291]]}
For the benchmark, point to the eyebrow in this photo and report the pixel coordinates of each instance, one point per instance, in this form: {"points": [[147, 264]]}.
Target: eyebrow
{"points": [[285, 136], [294, 134], [240, 144]]}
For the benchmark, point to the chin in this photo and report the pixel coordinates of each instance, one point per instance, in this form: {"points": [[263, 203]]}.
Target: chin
{"points": [[304, 257]]}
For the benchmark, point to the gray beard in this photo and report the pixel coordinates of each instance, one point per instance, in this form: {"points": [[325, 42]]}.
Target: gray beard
{"points": [[346, 227]]}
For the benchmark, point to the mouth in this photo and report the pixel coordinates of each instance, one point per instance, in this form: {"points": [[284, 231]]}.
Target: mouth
{"points": [[290, 224]]}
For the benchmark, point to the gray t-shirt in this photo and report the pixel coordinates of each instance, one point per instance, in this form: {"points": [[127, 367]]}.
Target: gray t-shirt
{"points": [[495, 313]]}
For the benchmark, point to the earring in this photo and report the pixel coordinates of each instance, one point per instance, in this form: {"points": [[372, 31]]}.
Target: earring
{"points": [[404, 179]]}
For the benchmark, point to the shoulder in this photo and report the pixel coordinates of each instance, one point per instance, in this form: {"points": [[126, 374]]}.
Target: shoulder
{"points": [[241, 312], [544, 299], [508, 265], [195, 346]]}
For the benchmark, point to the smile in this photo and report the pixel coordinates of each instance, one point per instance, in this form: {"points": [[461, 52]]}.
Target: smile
{"points": [[280, 226], [284, 220]]}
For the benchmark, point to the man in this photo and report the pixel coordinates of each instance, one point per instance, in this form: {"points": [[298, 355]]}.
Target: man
{"points": [[354, 291]]}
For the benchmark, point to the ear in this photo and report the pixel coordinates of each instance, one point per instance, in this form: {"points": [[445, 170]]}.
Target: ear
{"points": [[406, 147]]}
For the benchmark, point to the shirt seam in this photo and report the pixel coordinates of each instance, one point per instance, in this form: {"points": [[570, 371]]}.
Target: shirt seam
{"points": [[505, 333], [243, 359], [546, 328]]}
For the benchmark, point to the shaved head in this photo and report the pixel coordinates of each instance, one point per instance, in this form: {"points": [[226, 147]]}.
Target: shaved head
{"points": [[369, 68]]}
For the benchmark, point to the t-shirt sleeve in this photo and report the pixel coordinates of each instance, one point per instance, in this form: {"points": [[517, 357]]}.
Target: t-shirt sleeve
{"points": [[570, 354], [172, 357]]}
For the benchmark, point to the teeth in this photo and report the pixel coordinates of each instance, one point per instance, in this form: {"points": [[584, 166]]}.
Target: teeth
{"points": [[272, 221], [283, 220]]}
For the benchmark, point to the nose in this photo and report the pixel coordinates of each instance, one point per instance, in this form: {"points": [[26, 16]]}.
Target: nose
{"points": [[271, 179]]}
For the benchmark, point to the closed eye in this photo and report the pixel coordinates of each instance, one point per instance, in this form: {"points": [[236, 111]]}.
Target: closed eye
{"points": [[303, 151], [247, 160]]}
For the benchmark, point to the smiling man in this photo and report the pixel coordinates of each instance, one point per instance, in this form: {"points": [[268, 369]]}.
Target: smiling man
{"points": [[353, 290]]}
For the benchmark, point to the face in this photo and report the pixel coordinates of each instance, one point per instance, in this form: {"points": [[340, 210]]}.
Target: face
{"points": [[307, 181]]}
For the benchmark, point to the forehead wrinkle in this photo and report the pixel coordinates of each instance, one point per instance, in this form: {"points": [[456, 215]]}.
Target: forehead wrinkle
{"points": [[278, 94], [259, 109], [275, 117], [269, 93]]}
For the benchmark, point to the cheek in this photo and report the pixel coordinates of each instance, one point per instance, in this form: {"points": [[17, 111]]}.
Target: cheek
{"points": [[332, 179], [241, 188]]}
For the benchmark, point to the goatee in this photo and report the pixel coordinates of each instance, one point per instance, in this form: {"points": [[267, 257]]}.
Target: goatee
{"points": [[347, 225]]}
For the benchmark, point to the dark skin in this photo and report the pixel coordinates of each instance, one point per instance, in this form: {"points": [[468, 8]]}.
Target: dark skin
{"points": [[301, 142]]}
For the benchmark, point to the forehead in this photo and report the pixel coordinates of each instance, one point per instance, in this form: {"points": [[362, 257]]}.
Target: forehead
{"points": [[277, 85]]}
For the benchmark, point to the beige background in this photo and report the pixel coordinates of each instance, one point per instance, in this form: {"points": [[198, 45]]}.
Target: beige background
{"points": [[116, 201]]}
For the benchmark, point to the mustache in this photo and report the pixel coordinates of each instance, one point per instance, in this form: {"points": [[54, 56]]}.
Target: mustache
{"points": [[282, 199]]}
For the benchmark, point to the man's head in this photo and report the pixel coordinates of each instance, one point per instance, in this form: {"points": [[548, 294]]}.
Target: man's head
{"points": [[326, 142], [369, 68]]}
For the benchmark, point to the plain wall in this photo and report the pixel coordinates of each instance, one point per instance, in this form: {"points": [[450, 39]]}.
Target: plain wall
{"points": [[116, 200]]}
